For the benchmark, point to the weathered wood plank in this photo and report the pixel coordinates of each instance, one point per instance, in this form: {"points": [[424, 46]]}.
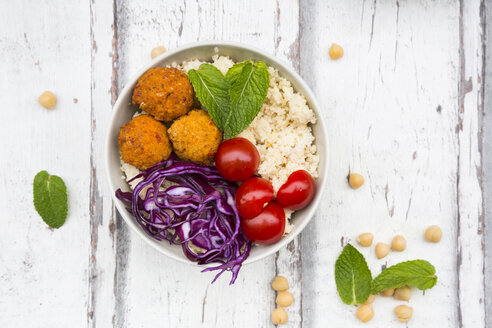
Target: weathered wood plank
{"points": [[43, 272], [487, 155], [392, 107], [470, 205], [288, 261], [141, 26]]}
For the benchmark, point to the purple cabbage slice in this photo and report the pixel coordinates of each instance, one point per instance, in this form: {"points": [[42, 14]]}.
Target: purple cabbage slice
{"points": [[196, 211]]}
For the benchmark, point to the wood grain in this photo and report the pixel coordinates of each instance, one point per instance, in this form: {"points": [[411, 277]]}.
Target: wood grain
{"points": [[486, 12], [104, 264], [469, 200], [288, 261], [43, 271], [394, 121], [407, 107]]}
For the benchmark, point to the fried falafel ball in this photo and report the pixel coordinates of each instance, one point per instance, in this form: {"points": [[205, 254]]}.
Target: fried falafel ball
{"points": [[195, 137], [164, 92], [144, 142]]}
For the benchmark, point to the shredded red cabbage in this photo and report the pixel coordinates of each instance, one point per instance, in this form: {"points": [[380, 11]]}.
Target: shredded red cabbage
{"points": [[198, 208]]}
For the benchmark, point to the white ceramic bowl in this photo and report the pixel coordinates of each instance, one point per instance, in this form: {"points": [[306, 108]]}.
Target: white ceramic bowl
{"points": [[123, 112]]}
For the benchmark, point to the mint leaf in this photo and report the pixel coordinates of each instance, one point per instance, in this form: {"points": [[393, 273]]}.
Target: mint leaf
{"points": [[417, 273], [234, 72], [50, 199], [248, 89], [352, 276], [212, 89]]}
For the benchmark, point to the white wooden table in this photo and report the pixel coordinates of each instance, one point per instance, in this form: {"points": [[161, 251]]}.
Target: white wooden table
{"points": [[406, 107]]}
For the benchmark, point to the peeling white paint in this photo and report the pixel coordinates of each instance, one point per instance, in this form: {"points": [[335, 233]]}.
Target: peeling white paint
{"points": [[396, 111]]}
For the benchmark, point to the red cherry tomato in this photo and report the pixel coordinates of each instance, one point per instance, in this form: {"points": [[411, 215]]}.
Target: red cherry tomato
{"points": [[266, 228], [297, 192], [252, 195], [237, 159]]}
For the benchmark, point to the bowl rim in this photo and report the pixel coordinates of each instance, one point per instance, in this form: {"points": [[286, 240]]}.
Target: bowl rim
{"points": [[278, 64]]}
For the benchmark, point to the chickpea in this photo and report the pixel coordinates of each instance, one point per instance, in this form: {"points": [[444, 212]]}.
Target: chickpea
{"points": [[336, 51], [403, 293], [398, 243], [284, 299], [157, 51], [279, 316], [433, 234], [388, 292], [365, 239], [356, 180], [365, 313], [381, 250], [280, 284], [403, 313], [370, 299], [47, 99]]}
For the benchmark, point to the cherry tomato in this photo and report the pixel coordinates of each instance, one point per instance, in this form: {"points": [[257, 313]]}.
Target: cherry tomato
{"points": [[237, 159], [297, 192], [266, 228], [252, 195]]}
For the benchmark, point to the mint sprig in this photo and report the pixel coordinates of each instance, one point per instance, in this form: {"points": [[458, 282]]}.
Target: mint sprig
{"points": [[352, 276], [354, 282], [50, 198], [234, 100], [417, 273]]}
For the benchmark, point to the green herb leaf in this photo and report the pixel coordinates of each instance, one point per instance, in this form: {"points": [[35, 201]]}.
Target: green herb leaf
{"points": [[235, 71], [232, 101], [249, 85], [352, 276], [212, 89], [50, 199], [417, 273]]}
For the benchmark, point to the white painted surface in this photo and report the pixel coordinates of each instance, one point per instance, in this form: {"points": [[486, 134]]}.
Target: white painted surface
{"points": [[398, 108]]}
